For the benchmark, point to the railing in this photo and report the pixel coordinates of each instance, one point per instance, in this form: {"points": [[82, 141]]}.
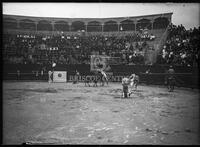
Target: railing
{"points": [[121, 33], [189, 80]]}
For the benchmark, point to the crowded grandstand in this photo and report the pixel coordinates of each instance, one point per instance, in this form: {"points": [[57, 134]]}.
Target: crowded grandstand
{"points": [[144, 40]]}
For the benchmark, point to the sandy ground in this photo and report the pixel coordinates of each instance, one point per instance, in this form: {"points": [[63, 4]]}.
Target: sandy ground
{"points": [[66, 113]]}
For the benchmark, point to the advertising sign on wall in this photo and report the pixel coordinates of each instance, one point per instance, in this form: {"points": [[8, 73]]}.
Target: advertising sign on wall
{"points": [[60, 76]]}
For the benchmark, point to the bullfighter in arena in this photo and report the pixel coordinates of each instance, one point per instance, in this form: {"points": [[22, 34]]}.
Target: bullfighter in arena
{"points": [[170, 79], [134, 80], [77, 74], [50, 73], [104, 77], [125, 83]]}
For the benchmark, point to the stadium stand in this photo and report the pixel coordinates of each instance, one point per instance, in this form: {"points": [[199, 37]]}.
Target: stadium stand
{"points": [[181, 47], [139, 41], [71, 41]]}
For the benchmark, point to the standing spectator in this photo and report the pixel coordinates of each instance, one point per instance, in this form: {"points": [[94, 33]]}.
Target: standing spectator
{"points": [[170, 79], [50, 73], [77, 74], [18, 74]]}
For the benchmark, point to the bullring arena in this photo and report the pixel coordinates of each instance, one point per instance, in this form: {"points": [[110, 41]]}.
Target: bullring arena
{"points": [[66, 113], [38, 111]]}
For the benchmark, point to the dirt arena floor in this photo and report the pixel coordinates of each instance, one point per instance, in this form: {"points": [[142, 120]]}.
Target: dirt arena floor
{"points": [[66, 113]]}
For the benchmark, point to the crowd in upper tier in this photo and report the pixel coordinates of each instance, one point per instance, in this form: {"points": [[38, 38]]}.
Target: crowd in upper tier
{"points": [[181, 47], [73, 49]]}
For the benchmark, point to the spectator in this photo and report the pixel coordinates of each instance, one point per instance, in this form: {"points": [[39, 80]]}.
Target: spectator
{"points": [[181, 46]]}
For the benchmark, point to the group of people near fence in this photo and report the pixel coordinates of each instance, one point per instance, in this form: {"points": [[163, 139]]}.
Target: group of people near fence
{"points": [[129, 83]]}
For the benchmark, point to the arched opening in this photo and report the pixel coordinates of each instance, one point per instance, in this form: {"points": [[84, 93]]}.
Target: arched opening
{"points": [[61, 26], [77, 26], [110, 26], [44, 25], [143, 24], [9, 23], [94, 26], [160, 23], [127, 25], [27, 24]]}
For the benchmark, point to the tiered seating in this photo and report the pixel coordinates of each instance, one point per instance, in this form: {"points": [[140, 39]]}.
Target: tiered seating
{"points": [[181, 47]]}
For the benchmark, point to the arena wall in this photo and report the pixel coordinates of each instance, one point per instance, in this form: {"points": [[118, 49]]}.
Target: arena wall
{"points": [[186, 77]]}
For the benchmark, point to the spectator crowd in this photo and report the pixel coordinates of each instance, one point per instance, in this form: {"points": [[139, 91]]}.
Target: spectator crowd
{"points": [[181, 47], [72, 49]]}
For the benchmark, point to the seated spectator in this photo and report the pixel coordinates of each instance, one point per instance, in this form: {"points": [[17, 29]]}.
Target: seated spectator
{"points": [[181, 47]]}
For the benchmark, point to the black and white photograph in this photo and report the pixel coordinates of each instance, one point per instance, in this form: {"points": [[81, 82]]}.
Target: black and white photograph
{"points": [[100, 73]]}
